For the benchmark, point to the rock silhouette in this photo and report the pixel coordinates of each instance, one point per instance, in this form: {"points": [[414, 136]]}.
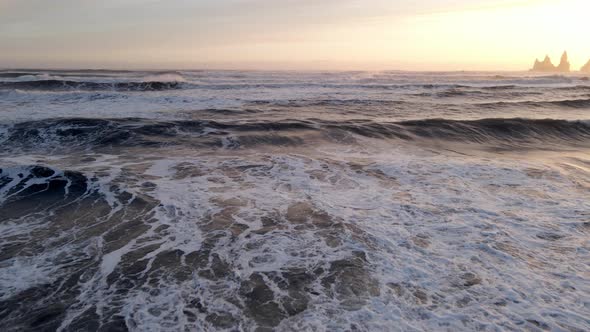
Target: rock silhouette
{"points": [[547, 65], [586, 68], [564, 64]]}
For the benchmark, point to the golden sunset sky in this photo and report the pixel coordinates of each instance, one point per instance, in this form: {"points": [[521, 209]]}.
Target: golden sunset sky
{"points": [[293, 34]]}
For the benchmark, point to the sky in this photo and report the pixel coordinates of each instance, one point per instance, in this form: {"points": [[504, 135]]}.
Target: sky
{"points": [[292, 34]]}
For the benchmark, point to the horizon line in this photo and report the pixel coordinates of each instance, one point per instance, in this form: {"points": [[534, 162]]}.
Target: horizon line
{"points": [[114, 69]]}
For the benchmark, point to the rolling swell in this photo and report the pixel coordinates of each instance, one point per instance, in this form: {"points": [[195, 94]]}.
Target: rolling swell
{"points": [[58, 85], [502, 130], [14, 74], [565, 103], [79, 133]]}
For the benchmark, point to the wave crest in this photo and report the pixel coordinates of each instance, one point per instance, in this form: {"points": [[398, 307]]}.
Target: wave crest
{"points": [[77, 133], [57, 85]]}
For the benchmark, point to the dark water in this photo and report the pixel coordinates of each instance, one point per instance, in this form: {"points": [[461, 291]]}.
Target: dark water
{"points": [[288, 201]]}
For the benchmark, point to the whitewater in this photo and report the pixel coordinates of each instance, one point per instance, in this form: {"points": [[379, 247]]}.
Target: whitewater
{"points": [[294, 201]]}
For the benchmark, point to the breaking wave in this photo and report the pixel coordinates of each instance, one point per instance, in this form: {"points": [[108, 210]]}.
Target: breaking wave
{"points": [[82, 133], [55, 84]]}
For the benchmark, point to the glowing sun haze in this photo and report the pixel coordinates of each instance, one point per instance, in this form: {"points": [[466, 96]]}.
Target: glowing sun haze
{"points": [[292, 34]]}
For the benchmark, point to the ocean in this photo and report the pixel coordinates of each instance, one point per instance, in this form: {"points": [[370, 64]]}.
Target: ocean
{"points": [[294, 201]]}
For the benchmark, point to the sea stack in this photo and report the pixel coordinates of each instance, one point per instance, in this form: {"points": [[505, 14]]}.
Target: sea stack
{"points": [[564, 65], [586, 68], [547, 65]]}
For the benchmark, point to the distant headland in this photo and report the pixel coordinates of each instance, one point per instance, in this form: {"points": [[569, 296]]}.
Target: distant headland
{"points": [[546, 66]]}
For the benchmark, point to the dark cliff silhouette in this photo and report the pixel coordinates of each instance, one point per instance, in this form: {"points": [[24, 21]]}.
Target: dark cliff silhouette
{"points": [[547, 65]]}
